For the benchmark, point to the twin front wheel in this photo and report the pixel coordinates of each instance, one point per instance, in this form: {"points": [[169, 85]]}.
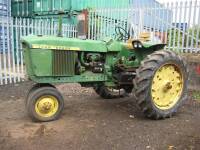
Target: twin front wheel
{"points": [[160, 89]]}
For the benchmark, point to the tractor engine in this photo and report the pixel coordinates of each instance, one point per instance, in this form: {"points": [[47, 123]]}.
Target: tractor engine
{"points": [[93, 62]]}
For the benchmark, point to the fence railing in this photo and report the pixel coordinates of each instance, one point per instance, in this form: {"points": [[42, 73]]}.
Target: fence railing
{"points": [[176, 24], [12, 68]]}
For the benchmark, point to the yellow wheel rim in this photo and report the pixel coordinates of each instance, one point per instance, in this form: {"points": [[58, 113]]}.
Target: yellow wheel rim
{"points": [[46, 106], [167, 86]]}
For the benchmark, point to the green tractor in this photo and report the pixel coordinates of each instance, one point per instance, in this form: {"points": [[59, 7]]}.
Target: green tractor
{"points": [[158, 78]]}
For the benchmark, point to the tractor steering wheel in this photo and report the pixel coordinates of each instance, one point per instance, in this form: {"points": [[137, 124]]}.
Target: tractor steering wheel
{"points": [[121, 33]]}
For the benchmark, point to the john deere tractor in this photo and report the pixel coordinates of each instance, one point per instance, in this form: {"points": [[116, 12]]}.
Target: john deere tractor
{"points": [[158, 78]]}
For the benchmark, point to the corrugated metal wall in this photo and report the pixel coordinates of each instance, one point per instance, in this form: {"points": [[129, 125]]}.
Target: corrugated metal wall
{"points": [[78, 5], [46, 7], [21, 8], [32, 8]]}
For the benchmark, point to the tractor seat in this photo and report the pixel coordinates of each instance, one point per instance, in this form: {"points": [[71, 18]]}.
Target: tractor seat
{"points": [[145, 37]]}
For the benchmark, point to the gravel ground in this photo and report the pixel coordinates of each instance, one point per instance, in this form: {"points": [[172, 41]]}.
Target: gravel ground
{"points": [[91, 123]]}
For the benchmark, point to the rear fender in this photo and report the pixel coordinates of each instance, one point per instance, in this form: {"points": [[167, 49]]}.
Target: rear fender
{"points": [[144, 49], [138, 45]]}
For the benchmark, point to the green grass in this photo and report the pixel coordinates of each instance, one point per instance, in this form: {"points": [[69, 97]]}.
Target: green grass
{"points": [[196, 95]]}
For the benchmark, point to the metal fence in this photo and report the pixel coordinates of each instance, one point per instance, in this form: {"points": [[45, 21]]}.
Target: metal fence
{"points": [[12, 68], [177, 24]]}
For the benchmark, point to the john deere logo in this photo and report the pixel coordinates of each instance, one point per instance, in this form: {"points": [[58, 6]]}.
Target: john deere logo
{"points": [[37, 46]]}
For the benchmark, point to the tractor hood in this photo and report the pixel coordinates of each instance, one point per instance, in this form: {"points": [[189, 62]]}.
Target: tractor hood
{"points": [[74, 44], [60, 43]]}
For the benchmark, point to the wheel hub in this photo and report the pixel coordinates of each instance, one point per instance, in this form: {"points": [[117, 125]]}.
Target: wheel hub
{"points": [[46, 106], [167, 86]]}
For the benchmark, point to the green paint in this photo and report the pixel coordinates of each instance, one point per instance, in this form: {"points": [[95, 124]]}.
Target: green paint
{"points": [[196, 95], [22, 8], [85, 77], [50, 7], [78, 5], [84, 45], [60, 26], [42, 64]]}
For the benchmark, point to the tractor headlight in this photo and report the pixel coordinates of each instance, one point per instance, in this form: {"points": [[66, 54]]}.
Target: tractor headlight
{"points": [[135, 45], [139, 45]]}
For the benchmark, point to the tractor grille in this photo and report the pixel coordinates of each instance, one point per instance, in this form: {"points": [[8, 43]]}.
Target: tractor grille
{"points": [[64, 63]]}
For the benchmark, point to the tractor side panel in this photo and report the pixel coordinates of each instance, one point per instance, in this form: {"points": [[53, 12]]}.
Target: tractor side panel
{"points": [[56, 63], [41, 62]]}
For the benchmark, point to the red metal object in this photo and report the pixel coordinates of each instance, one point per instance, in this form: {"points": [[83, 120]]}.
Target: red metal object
{"points": [[83, 24], [198, 69]]}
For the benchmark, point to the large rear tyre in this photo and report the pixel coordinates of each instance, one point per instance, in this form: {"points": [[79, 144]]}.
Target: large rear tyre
{"points": [[161, 84], [44, 104], [109, 93]]}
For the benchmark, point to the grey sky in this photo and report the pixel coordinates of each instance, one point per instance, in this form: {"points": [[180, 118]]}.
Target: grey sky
{"points": [[165, 1]]}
